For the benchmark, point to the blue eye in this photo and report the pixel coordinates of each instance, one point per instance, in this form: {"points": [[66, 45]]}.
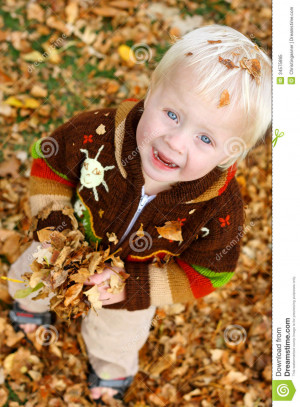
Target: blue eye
{"points": [[169, 111], [209, 142]]}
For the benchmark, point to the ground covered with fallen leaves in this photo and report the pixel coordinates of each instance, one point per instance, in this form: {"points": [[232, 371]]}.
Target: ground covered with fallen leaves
{"points": [[62, 57]]}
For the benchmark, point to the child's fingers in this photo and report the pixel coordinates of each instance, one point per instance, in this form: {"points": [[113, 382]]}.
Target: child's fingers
{"points": [[97, 278]]}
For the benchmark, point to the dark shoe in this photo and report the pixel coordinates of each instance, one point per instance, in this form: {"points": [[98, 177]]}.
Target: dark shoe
{"points": [[120, 385], [19, 316]]}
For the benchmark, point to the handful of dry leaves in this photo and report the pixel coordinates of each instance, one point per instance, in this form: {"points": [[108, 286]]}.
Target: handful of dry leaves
{"points": [[63, 262]]}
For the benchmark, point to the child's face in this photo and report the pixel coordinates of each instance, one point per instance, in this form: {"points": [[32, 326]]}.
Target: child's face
{"points": [[186, 129]]}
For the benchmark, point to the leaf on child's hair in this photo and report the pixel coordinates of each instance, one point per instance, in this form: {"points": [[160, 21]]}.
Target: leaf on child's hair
{"points": [[171, 230], [188, 53], [214, 42], [224, 99], [228, 63], [253, 67]]}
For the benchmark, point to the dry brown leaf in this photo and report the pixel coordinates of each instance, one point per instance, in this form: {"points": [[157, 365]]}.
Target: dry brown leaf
{"points": [[100, 130], [44, 234], [72, 293], [112, 237], [116, 261], [228, 63], [224, 99], [95, 259], [171, 230], [93, 296], [62, 256], [10, 244], [71, 11], [10, 167], [253, 67], [140, 232], [81, 276], [105, 11], [214, 42], [116, 285]]}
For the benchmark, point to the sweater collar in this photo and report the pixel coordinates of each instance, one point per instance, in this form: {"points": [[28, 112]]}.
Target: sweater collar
{"points": [[129, 162]]}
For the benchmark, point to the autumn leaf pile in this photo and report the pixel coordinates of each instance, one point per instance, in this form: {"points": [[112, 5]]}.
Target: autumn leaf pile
{"points": [[61, 266]]}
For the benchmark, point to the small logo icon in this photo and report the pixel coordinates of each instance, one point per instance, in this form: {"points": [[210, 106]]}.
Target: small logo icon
{"points": [[277, 135], [280, 80], [283, 390], [291, 80]]}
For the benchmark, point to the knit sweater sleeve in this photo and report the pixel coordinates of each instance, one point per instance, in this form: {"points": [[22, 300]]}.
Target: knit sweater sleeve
{"points": [[55, 173], [207, 264]]}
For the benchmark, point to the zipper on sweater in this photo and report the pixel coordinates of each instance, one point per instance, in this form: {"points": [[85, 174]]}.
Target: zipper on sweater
{"points": [[144, 200]]}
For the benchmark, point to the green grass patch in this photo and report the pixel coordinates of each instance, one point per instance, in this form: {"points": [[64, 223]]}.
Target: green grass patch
{"points": [[215, 10], [10, 22]]}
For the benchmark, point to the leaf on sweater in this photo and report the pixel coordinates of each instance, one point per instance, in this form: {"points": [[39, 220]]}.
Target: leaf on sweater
{"points": [[140, 232], [72, 293], [253, 67], [93, 297], [224, 99], [228, 63], [112, 237], [100, 130], [171, 230], [214, 42]]}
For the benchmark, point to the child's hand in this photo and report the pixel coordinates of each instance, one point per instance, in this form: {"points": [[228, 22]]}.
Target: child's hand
{"points": [[102, 281]]}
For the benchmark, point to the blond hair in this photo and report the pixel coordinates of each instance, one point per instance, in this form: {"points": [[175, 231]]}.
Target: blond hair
{"points": [[211, 78]]}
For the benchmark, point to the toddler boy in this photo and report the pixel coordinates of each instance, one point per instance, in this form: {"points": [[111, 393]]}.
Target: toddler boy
{"points": [[157, 175]]}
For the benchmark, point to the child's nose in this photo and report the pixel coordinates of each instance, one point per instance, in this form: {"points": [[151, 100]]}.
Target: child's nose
{"points": [[177, 142]]}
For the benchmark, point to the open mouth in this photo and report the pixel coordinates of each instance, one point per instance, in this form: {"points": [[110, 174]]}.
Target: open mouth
{"points": [[163, 161]]}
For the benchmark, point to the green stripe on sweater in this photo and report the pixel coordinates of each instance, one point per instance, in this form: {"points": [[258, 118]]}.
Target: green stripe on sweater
{"points": [[217, 279], [36, 152]]}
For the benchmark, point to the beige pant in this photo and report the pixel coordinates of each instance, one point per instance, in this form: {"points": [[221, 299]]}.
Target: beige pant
{"points": [[113, 338]]}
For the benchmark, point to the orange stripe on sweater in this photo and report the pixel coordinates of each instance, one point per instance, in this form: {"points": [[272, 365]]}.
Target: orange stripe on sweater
{"points": [[200, 285], [160, 254], [40, 169], [230, 174]]}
